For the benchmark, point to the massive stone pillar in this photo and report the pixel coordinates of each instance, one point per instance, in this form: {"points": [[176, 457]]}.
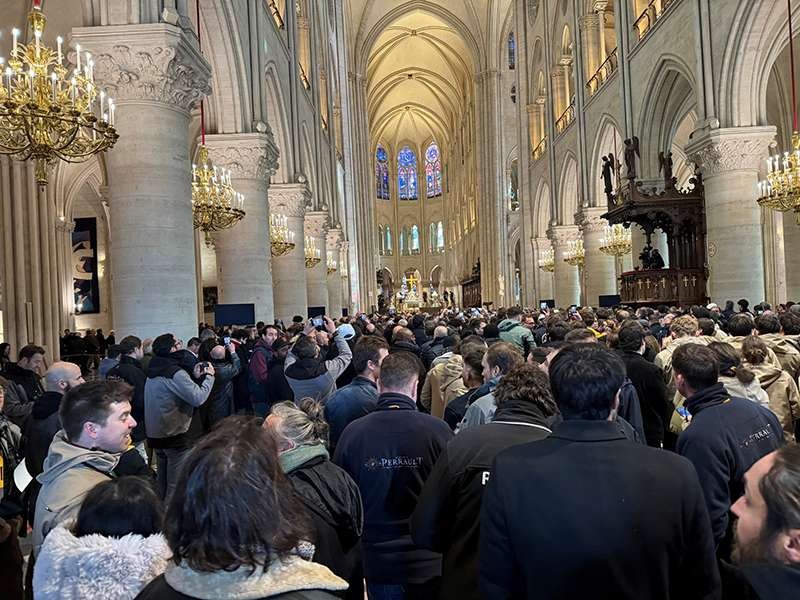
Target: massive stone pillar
{"points": [[334, 278], [156, 75], [566, 277], [730, 161], [544, 279], [316, 229], [243, 252], [599, 272], [289, 271]]}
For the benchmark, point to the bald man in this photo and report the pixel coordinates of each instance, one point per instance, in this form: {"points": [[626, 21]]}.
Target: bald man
{"points": [[43, 422]]}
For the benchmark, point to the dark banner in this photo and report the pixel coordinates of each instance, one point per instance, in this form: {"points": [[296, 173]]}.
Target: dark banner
{"points": [[84, 266]]}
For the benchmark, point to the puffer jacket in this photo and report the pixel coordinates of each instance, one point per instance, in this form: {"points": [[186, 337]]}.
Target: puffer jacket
{"points": [[220, 401], [97, 567], [514, 332], [69, 473], [784, 399], [788, 355]]}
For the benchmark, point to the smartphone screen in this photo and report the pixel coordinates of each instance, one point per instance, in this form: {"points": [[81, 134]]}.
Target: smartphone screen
{"points": [[543, 305], [226, 340], [317, 321]]}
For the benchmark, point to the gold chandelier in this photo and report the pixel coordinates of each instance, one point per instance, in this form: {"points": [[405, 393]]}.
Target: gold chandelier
{"points": [[781, 190], [617, 241], [332, 265], [313, 254], [281, 239], [48, 113], [575, 255], [215, 204], [548, 261]]}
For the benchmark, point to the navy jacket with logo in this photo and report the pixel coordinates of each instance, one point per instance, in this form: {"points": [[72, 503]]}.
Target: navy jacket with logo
{"points": [[726, 436], [389, 453]]}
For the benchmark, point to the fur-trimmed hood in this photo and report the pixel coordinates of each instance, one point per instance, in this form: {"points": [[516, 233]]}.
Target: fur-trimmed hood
{"points": [[97, 567], [282, 576]]}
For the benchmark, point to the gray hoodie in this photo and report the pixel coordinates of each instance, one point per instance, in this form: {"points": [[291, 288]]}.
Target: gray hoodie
{"points": [[169, 404], [69, 473]]}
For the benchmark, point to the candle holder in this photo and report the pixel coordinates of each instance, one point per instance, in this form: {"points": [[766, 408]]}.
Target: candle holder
{"points": [[313, 254], [281, 240], [547, 262], [215, 204]]}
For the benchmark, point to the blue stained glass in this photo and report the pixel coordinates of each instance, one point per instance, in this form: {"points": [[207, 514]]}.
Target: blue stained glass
{"points": [[407, 174], [433, 171], [381, 173], [381, 155]]}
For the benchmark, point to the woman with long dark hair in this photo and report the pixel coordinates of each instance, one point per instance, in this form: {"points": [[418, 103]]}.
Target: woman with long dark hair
{"points": [[235, 526]]}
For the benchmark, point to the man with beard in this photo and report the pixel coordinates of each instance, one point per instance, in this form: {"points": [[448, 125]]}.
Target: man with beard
{"points": [[766, 546]]}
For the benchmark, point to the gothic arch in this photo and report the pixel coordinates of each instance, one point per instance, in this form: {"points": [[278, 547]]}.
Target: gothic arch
{"points": [[542, 210], [568, 191], [608, 140], [669, 98]]}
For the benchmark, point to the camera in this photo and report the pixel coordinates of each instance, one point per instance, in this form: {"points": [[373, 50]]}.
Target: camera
{"points": [[203, 365]]}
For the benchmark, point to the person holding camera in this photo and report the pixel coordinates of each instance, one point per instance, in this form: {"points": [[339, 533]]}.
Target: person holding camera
{"points": [[308, 373], [171, 398]]}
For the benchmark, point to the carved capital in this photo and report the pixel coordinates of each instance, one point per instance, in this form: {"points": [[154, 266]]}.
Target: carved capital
{"points": [[289, 199], [65, 226], [561, 235], [590, 221], [316, 223], [334, 239], [246, 155], [156, 62], [589, 22], [736, 149]]}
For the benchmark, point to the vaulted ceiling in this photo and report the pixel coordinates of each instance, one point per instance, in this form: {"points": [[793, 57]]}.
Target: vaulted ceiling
{"points": [[419, 59]]}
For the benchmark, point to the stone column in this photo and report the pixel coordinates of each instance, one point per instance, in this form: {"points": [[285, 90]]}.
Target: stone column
{"points": [[334, 280], [566, 277], [589, 26], [560, 100], [316, 228], [156, 76], [730, 160], [601, 26], [544, 279], [243, 251], [599, 271], [289, 271], [533, 125]]}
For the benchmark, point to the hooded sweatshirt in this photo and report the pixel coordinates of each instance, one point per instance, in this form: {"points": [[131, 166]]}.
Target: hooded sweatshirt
{"points": [[784, 399], [516, 333], [70, 471], [97, 567]]}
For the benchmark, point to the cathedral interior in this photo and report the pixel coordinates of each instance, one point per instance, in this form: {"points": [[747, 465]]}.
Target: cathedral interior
{"points": [[474, 152]]}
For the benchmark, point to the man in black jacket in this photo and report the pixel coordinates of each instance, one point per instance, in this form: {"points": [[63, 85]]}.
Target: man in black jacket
{"points": [[726, 435], [131, 372], [766, 545], [586, 513], [27, 374], [656, 407], [389, 453], [447, 517]]}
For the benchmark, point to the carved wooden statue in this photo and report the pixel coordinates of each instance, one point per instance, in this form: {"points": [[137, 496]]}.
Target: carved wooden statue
{"points": [[631, 153]]}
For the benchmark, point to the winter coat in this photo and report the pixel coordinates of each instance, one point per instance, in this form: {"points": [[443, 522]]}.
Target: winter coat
{"points": [[447, 516], [724, 439], [651, 389], [278, 389], [759, 581], [481, 410], [348, 404], [663, 361], [737, 341], [788, 355], [389, 454], [258, 369], [315, 378], [333, 502], [432, 350], [42, 427], [30, 384], [784, 398], [220, 402], [541, 539], [456, 409], [514, 332], [170, 400], [130, 371], [69, 473], [11, 504], [290, 579], [444, 376], [97, 567]]}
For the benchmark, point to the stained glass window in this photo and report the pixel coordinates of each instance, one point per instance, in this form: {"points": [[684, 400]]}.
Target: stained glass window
{"points": [[407, 174], [413, 242], [431, 238], [381, 173], [512, 51], [381, 240], [403, 236], [440, 236], [388, 244], [433, 171]]}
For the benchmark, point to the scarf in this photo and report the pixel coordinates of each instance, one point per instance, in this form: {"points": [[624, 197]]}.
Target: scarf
{"points": [[292, 459]]}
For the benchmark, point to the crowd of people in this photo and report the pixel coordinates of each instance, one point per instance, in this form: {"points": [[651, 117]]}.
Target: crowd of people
{"points": [[459, 454]]}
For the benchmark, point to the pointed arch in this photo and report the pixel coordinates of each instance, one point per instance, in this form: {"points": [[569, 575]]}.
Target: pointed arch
{"points": [[407, 183], [433, 171], [568, 201], [278, 120], [607, 141], [542, 210], [381, 173]]}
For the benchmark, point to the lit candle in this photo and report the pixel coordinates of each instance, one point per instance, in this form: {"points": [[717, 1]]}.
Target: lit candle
{"points": [[78, 54], [102, 102], [38, 35], [112, 107], [54, 78], [90, 93], [9, 73], [15, 33], [73, 90], [91, 66], [31, 75], [60, 41]]}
